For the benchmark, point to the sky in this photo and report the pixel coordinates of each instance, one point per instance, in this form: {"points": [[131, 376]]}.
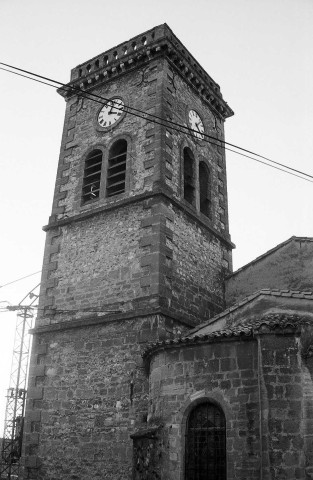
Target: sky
{"points": [[259, 51]]}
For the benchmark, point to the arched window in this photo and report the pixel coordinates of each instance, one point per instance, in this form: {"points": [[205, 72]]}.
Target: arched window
{"points": [[189, 189], [92, 176], [205, 456], [204, 184], [116, 175]]}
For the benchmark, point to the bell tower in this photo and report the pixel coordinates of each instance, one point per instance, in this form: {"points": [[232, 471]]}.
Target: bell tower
{"points": [[137, 249]]}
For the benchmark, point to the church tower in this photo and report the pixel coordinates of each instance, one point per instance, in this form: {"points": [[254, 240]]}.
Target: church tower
{"points": [[137, 249]]}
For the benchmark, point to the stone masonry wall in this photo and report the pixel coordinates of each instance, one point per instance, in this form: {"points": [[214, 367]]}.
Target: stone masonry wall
{"points": [[142, 255], [99, 262], [200, 263], [126, 252], [139, 89], [223, 372], [178, 98], [88, 391], [265, 388], [290, 267], [287, 391], [92, 261], [282, 388], [111, 266]]}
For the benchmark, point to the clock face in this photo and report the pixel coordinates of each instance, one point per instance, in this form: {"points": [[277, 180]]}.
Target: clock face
{"points": [[196, 123], [111, 112]]}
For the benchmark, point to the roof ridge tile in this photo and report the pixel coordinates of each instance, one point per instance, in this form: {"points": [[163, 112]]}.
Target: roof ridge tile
{"points": [[272, 321]]}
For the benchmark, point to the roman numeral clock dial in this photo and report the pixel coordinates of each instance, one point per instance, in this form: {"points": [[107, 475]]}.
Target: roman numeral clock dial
{"points": [[111, 113], [196, 123]]}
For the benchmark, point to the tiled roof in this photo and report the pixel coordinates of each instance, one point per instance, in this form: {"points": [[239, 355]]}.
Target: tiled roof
{"points": [[266, 324], [265, 291], [272, 250]]}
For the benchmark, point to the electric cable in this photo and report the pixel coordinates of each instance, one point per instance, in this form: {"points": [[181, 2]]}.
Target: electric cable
{"points": [[11, 308], [168, 123], [21, 278], [188, 132], [79, 310], [127, 108], [272, 166]]}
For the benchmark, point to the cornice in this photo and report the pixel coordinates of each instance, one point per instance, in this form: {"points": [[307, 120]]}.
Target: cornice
{"points": [[53, 223], [86, 321], [278, 324], [137, 52]]}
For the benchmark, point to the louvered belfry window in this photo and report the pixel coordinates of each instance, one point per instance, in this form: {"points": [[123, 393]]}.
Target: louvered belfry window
{"points": [[204, 184], [205, 456], [189, 188], [92, 176], [116, 176]]}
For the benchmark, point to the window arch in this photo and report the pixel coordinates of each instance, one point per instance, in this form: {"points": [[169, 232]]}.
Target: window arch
{"points": [[204, 189], [189, 189], [116, 173], [92, 176], [205, 455]]}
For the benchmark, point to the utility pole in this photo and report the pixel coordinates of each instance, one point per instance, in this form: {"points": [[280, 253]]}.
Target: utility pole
{"points": [[16, 396]]}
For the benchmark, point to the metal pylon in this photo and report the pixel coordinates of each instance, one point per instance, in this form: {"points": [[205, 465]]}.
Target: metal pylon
{"points": [[16, 395]]}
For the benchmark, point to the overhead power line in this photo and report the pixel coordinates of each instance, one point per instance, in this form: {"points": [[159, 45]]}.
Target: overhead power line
{"points": [[158, 120], [19, 279], [11, 308]]}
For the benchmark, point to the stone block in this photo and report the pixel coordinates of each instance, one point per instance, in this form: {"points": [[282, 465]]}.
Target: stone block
{"points": [[34, 415], [228, 364], [38, 370], [35, 393], [31, 461], [294, 391], [33, 439], [41, 349], [149, 163]]}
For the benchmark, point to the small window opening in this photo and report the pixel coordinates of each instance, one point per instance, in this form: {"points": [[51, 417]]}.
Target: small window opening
{"points": [[125, 50], [204, 184], [134, 46], [189, 190], [144, 40], [105, 60], [92, 176], [116, 176], [115, 55], [80, 72], [88, 68], [206, 443], [97, 63]]}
